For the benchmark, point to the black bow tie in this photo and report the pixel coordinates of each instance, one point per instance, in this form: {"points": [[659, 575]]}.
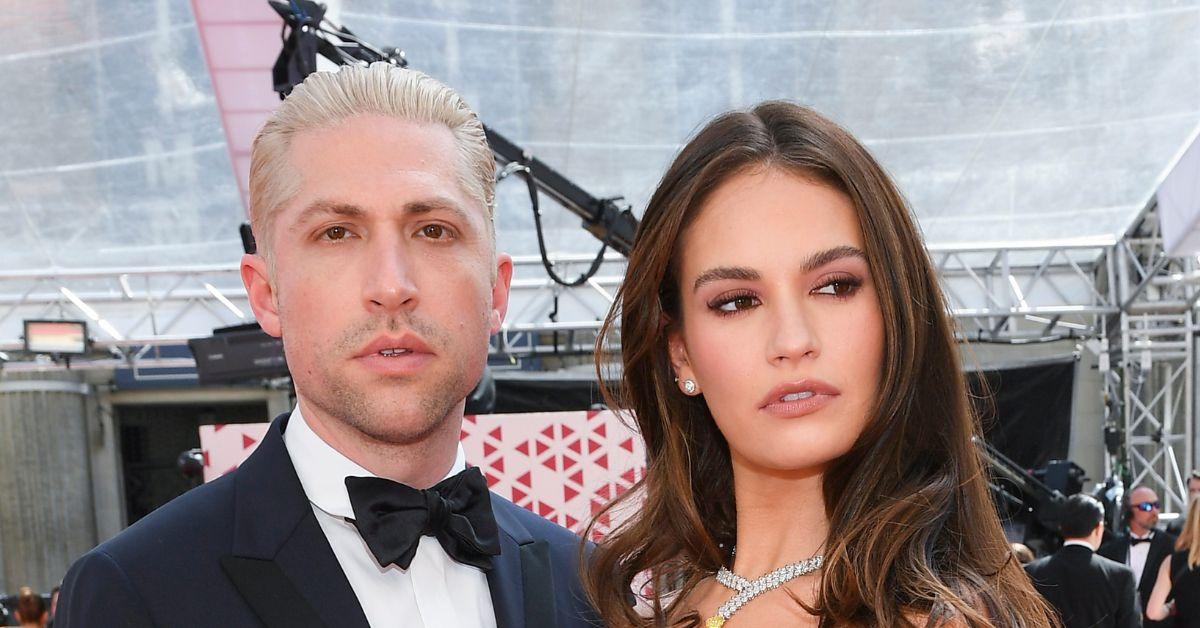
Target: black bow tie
{"points": [[392, 518], [1136, 540]]}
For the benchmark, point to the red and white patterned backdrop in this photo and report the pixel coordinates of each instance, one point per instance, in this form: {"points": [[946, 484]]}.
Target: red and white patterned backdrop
{"points": [[224, 447], [561, 465]]}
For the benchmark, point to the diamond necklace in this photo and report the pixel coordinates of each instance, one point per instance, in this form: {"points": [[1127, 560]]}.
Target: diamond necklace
{"points": [[747, 590]]}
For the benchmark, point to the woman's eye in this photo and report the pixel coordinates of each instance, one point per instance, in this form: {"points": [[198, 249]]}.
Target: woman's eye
{"points": [[841, 288], [737, 304], [335, 233]]}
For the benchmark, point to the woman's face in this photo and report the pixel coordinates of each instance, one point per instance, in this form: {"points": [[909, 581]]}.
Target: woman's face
{"points": [[782, 331]]}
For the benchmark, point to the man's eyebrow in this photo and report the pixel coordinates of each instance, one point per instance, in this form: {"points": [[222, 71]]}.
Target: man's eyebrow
{"points": [[350, 210], [813, 262], [426, 206], [322, 207]]}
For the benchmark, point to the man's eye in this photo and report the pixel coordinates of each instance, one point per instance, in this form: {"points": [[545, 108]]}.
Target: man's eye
{"points": [[335, 233], [434, 232]]}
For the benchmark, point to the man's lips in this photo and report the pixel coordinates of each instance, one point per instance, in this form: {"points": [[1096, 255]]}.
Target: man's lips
{"points": [[391, 346], [395, 355]]}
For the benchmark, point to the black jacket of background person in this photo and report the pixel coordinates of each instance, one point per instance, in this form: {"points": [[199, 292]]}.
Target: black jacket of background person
{"points": [[246, 550], [1161, 546], [1089, 591]]}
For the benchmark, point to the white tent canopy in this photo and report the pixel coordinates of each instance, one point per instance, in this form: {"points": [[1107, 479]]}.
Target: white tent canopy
{"points": [[1001, 120]]}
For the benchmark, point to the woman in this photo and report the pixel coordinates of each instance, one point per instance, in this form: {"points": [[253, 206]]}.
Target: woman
{"points": [[788, 359], [1178, 578]]}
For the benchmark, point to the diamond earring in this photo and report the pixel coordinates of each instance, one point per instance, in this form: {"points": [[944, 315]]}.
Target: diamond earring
{"points": [[689, 386]]}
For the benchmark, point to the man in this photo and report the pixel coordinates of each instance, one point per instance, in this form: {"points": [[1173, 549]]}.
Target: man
{"points": [[1087, 590], [371, 197], [1193, 487], [1142, 547]]}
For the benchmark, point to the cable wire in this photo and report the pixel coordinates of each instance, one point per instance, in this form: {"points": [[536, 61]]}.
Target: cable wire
{"points": [[525, 173]]}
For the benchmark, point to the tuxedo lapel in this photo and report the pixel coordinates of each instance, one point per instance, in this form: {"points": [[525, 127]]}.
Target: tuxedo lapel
{"points": [[269, 592], [506, 584], [521, 580], [281, 562], [538, 581]]}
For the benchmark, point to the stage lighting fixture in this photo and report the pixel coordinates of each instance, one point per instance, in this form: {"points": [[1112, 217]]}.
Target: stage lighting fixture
{"points": [[56, 337]]}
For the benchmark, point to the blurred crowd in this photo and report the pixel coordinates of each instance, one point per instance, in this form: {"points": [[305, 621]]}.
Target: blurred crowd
{"points": [[1144, 574], [29, 609]]}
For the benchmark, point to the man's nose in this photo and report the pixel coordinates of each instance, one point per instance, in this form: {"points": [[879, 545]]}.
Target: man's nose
{"points": [[389, 285]]}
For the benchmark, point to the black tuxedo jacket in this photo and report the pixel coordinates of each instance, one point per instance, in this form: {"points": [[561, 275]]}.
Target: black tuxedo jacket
{"points": [[1089, 591], [1161, 546], [246, 550]]}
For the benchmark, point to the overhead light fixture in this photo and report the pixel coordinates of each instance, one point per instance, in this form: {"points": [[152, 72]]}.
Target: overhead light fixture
{"points": [[125, 289], [112, 331], [83, 307], [56, 337], [1012, 281], [224, 301], [91, 313]]}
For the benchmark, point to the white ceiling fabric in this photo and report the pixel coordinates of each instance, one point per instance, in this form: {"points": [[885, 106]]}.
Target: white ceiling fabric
{"points": [[1001, 120]]}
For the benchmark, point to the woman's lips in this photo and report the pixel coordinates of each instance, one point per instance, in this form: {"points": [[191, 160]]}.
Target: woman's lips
{"points": [[792, 409]]}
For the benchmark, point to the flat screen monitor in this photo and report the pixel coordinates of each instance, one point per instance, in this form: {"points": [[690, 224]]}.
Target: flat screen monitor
{"points": [[57, 337]]}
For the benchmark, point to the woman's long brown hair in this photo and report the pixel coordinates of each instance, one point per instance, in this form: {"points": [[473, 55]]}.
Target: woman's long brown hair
{"points": [[1189, 536], [914, 533]]}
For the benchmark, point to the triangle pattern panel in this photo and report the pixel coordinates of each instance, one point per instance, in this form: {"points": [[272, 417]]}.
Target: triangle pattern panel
{"points": [[225, 446], [561, 465], [564, 466]]}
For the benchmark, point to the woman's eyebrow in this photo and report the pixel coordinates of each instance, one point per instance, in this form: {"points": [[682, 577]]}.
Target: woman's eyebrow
{"points": [[821, 258], [725, 272], [813, 262]]}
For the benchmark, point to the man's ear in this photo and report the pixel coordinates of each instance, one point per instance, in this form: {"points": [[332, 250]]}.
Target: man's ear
{"points": [[500, 290], [261, 293]]}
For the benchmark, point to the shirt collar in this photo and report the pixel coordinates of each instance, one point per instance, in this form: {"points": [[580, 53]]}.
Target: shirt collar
{"points": [[1149, 535], [1078, 542], [323, 470]]}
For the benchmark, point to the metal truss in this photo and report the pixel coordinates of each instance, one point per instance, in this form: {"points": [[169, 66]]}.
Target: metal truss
{"points": [[1151, 384], [1133, 305], [1025, 292], [132, 313], [1004, 292]]}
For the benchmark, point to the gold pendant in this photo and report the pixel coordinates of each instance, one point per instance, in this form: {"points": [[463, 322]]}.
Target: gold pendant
{"points": [[716, 621]]}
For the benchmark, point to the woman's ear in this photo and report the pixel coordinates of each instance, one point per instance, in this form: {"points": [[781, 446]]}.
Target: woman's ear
{"points": [[685, 376]]}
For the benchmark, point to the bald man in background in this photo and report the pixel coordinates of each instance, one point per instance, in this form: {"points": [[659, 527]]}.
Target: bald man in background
{"points": [[1142, 546]]}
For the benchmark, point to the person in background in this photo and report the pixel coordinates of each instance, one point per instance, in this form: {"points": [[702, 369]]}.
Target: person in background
{"points": [[53, 604], [1177, 585], [1088, 590], [1193, 493], [31, 609], [1022, 552], [1142, 546]]}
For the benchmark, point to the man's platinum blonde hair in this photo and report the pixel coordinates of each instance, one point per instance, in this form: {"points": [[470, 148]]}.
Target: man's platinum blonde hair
{"points": [[326, 99]]}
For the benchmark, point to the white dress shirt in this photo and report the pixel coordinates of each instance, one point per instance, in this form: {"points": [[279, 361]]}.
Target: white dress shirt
{"points": [[1078, 542], [434, 592], [1137, 556]]}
